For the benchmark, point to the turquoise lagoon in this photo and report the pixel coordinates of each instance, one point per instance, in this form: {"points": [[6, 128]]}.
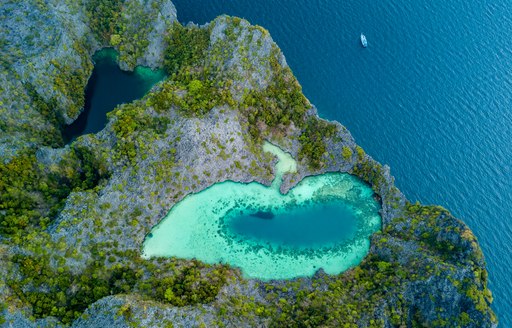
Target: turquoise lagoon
{"points": [[323, 222]]}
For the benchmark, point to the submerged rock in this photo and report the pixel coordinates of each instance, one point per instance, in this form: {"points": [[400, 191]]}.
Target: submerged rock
{"points": [[263, 215]]}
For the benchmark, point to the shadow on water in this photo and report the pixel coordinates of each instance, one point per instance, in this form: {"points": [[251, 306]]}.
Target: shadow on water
{"points": [[263, 215], [78, 127], [108, 87]]}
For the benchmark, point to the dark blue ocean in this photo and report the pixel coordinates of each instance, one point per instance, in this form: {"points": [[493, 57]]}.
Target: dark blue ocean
{"points": [[431, 97]]}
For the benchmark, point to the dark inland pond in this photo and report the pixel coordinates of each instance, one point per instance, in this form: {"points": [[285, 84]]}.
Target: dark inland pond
{"points": [[108, 87]]}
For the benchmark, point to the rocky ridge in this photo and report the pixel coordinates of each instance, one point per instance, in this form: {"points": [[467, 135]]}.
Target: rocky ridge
{"points": [[424, 268]]}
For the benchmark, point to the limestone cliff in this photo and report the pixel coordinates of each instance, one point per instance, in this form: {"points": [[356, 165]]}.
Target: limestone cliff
{"points": [[73, 217]]}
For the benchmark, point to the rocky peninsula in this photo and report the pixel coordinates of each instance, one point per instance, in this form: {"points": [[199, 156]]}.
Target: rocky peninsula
{"points": [[73, 217]]}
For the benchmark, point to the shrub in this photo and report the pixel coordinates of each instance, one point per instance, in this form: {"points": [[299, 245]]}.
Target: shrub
{"points": [[32, 196], [312, 141], [103, 16], [186, 47], [346, 153], [281, 103], [115, 39]]}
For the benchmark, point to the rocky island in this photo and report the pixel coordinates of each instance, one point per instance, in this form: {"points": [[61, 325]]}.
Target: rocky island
{"points": [[74, 214]]}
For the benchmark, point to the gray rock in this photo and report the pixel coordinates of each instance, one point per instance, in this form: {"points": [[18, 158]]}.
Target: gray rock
{"points": [[187, 155]]}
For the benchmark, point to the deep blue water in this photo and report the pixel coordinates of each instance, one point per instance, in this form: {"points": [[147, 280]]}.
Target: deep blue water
{"points": [[334, 222], [431, 96], [108, 87]]}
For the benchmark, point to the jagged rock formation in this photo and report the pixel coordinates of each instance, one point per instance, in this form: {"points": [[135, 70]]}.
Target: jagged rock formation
{"points": [[46, 49], [71, 253]]}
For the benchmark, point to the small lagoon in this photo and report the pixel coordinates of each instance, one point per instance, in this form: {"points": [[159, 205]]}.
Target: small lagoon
{"points": [[323, 222], [108, 87]]}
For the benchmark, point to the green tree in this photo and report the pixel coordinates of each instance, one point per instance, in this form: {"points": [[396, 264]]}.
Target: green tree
{"points": [[346, 153]]}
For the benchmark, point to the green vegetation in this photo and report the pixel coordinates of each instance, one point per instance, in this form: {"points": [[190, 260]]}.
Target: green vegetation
{"points": [[195, 89], [186, 47], [360, 153], [191, 96], [2, 309], [135, 129], [369, 171], [187, 286], [348, 300], [48, 109], [199, 97], [47, 275], [312, 141], [72, 82], [428, 226], [20, 183], [192, 88], [103, 16], [125, 25], [346, 152], [281, 103], [383, 282], [30, 195], [115, 39], [64, 294]]}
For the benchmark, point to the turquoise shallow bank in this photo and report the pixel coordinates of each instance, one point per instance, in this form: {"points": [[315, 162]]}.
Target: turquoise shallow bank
{"points": [[431, 96], [108, 87], [324, 222]]}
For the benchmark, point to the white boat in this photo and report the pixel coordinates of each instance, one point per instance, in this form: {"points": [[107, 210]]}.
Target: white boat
{"points": [[364, 43]]}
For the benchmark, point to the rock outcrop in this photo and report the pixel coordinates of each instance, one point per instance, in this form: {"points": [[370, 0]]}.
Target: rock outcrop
{"points": [[76, 259]]}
